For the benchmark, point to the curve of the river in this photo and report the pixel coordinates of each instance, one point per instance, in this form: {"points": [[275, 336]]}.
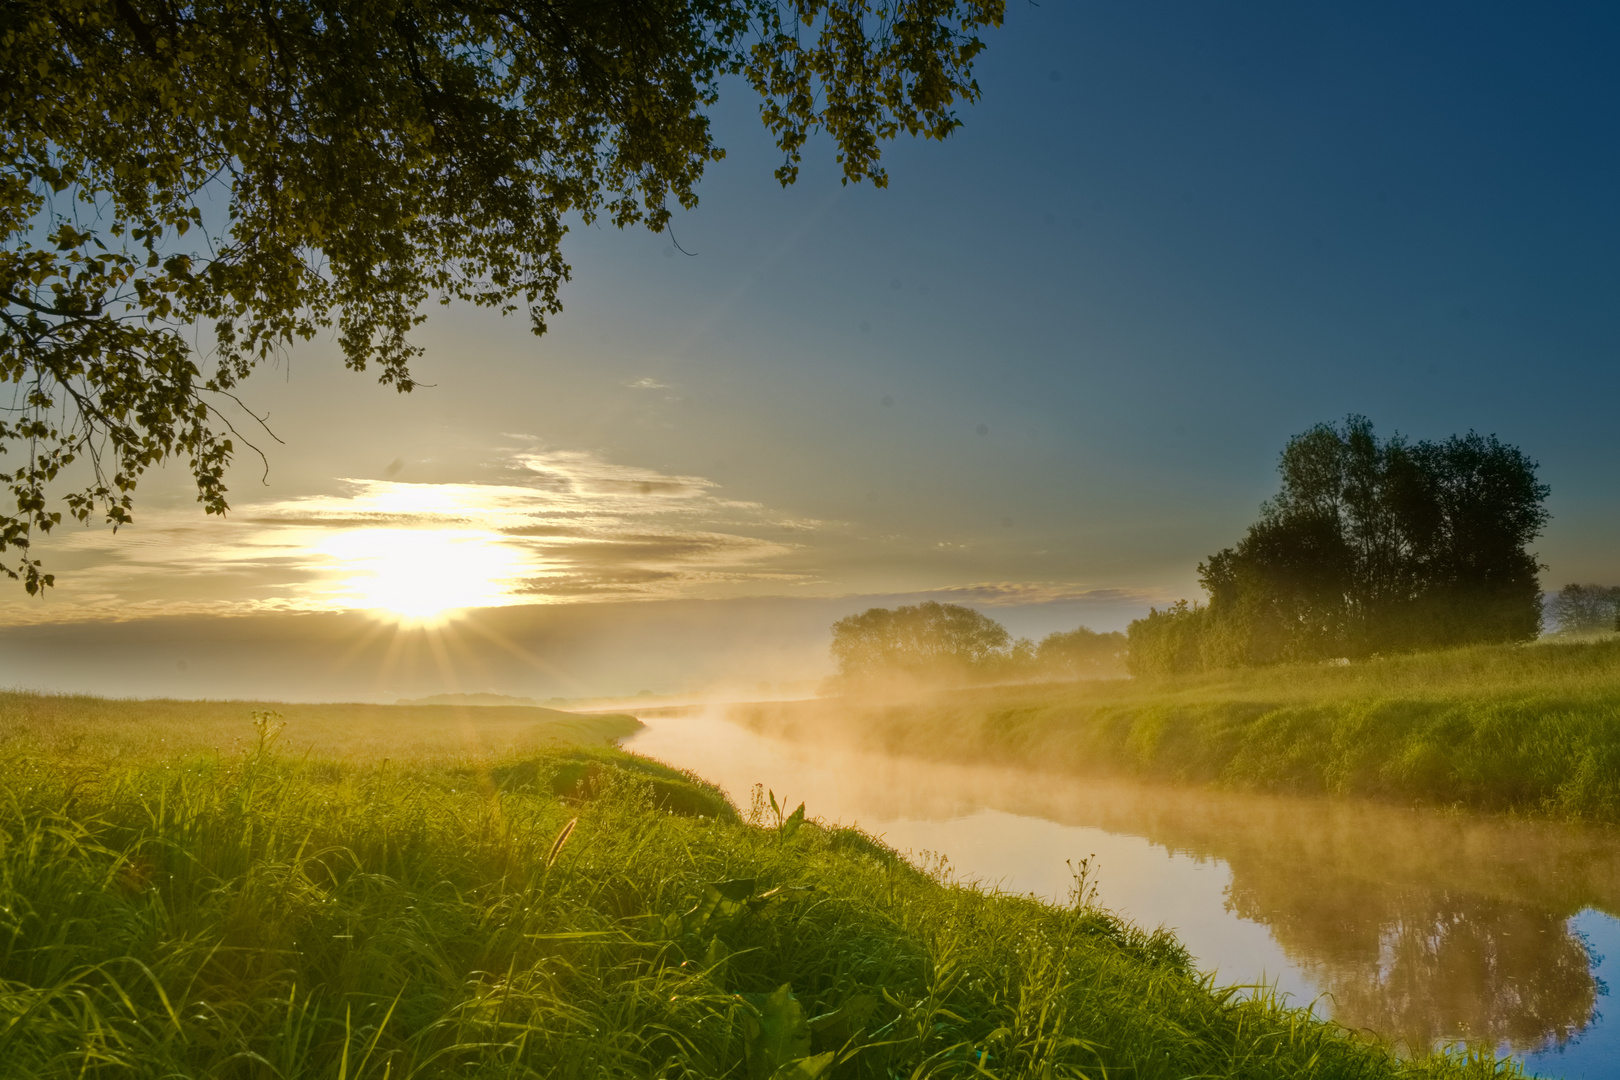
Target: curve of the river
{"points": [[1429, 928]]}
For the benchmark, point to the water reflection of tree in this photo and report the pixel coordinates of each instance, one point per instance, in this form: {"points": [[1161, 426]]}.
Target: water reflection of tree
{"points": [[1424, 927], [1426, 966]]}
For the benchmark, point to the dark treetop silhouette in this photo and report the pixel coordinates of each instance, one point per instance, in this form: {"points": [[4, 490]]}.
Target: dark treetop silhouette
{"points": [[951, 643], [1371, 546]]}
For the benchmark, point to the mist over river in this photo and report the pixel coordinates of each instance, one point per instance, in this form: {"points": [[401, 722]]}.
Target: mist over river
{"points": [[1427, 927]]}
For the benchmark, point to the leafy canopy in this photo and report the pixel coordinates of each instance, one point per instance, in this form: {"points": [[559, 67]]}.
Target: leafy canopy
{"points": [[1586, 609], [1371, 545], [944, 644], [921, 639], [1080, 653], [260, 172]]}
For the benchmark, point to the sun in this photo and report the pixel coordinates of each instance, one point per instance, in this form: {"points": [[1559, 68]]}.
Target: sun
{"points": [[423, 575]]}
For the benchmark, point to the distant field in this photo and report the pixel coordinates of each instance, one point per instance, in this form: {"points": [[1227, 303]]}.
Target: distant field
{"points": [[1529, 729], [110, 728], [188, 891]]}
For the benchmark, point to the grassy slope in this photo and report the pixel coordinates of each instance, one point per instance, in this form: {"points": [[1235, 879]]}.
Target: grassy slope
{"points": [[122, 729], [257, 915], [1531, 729]]}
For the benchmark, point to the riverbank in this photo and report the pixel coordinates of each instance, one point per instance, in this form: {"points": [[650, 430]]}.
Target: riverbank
{"points": [[1428, 927], [556, 912], [1530, 730]]}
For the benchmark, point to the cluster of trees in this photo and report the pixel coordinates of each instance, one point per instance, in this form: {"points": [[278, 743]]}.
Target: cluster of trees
{"points": [[1371, 546], [948, 643], [1585, 609]]}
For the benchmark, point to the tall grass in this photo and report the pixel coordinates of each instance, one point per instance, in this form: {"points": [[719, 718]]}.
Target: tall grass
{"points": [[83, 728], [558, 913], [1528, 729]]}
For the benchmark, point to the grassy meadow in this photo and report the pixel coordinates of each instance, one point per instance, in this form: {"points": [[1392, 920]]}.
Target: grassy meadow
{"points": [[80, 728], [1529, 729], [217, 899]]}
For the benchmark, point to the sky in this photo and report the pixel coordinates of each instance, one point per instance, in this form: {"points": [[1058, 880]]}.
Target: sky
{"points": [[1044, 373]]}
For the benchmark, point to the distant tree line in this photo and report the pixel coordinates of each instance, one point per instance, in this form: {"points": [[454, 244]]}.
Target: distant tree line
{"points": [[951, 644], [1585, 609], [1371, 546]]}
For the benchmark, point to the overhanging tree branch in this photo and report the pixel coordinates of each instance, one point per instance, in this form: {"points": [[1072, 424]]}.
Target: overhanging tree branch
{"points": [[370, 155]]}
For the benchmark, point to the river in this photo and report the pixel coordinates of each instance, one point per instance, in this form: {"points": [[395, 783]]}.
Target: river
{"points": [[1427, 927]]}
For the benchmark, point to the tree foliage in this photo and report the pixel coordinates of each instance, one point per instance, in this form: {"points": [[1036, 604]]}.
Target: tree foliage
{"points": [[247, 175], [1586, 609], [923, 639], [948, 643], [1171, 641], [1371, 546], [1081, 653]]}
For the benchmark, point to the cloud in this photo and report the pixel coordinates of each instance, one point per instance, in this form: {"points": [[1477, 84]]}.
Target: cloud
{"points": [[563, 526], [647, 384], [571, 473], [548, 527], [1018, 593]]}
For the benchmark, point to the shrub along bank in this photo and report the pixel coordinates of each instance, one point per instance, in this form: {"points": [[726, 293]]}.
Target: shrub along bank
{"points": [[561, 913]]}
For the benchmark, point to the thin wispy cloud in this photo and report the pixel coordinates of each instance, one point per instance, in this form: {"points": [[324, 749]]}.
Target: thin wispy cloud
{"points": [[564, 526], [1018, 593], [550, 526]]}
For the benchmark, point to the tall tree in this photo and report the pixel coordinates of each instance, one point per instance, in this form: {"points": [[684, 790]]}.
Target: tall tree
{"points": [[262, 171], [1483, 509], [1080, 653], [928, 639], [1370, 545], [1586, 609]]}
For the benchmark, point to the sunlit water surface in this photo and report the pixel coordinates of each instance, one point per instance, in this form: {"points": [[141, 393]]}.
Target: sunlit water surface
{"points": [[1428, 928]]}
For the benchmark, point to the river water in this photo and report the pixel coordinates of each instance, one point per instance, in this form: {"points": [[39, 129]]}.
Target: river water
{"points": [[1429, 928]]}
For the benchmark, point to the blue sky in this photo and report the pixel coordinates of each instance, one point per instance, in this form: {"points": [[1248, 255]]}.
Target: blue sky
{"points": [[1048, 369]]}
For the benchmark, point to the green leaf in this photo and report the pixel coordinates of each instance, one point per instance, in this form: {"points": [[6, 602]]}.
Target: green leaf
{"points": [[722, 899], [835, 1030], [807, 1068], [715, 956], [775, 1032], [734, 890], [791, 825]]}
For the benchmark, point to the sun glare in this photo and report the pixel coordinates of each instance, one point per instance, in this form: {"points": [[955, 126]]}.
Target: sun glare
{"points": [[422, 575]]}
